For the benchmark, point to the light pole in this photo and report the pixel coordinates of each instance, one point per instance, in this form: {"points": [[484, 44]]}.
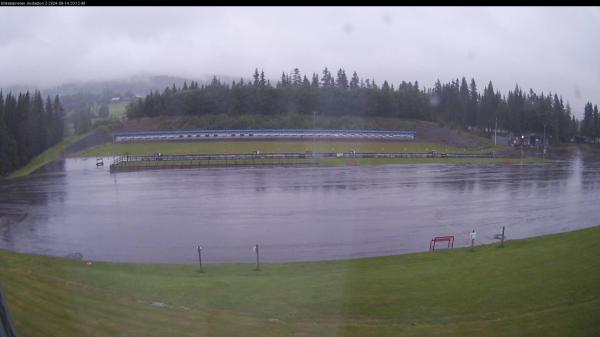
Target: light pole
{"points": [[495, 131], [314, 131], [544, 145]]}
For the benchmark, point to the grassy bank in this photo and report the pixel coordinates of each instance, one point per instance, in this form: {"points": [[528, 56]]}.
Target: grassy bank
{"points": [[46, 157], [547, 286], [268, 147]]}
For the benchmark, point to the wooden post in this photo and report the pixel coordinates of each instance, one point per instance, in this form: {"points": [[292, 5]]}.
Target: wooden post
{"points": [[200, 258], [502, 238], [257, 258]]}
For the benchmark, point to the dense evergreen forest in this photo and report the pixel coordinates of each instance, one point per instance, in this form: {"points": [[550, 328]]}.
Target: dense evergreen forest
{"points": [[28, 126], [459, 102]]}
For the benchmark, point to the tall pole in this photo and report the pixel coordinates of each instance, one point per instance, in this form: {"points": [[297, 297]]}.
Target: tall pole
{"points": [[495, 131], [314, 133], [544, 145]]}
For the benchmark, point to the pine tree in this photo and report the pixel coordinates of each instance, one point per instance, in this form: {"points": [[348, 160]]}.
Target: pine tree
{"points": [[473, 104], [284, 80], [296, 78], [49, 122], [463, 102], [305, 82], [58, 123], [256, 77], [354, 82], [587, 125], [315, 81], [327, 79], [262, 82], [342, 80]]}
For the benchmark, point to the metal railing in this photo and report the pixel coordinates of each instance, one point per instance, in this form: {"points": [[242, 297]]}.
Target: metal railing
{"points": [[252, 158]]}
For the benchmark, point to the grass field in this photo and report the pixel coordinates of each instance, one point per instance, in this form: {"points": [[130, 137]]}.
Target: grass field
{"points": [[547, 286], [117, 110], [267, 147]]}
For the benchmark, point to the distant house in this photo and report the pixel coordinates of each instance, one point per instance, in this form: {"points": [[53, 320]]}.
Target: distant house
{"points": [[115, 99]]}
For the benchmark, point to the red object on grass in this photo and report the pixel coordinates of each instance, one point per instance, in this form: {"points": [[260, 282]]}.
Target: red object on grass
{"points": [[449, 239]]}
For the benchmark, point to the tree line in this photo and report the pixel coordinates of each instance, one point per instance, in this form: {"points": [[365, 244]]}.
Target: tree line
{"points": [[457, 102], [590, 125], [28, 126]]}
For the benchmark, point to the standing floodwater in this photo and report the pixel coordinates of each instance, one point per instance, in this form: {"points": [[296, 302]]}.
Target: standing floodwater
{"points": [[294, 213]]}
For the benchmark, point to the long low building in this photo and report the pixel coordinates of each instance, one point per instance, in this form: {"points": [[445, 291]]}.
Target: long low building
{"points": [[260, 134]]}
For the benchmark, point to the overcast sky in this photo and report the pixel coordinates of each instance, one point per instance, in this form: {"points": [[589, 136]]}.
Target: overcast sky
{"points": [[547, 49]]}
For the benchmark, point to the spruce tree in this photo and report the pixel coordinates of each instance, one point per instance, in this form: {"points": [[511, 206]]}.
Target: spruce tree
{"points": [[354, 82]]}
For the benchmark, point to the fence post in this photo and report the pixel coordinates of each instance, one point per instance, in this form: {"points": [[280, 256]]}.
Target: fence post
{"points": [[257, 258], [200, 258], [502, 238]]}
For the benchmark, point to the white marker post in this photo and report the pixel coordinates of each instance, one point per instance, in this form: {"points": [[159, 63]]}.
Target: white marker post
{"points": [[473, 236]]}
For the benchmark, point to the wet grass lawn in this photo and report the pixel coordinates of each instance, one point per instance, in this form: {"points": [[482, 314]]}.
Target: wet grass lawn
{"points": [[546, 286]]}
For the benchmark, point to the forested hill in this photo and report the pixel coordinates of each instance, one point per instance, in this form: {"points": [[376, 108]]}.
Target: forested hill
{"points": [[28, 126], [458, 102]]}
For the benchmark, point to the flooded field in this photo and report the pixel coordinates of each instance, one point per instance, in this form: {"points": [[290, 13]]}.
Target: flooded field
{"points": [[294, 213]]}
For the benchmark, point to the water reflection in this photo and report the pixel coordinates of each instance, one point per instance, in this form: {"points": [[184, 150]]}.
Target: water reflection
{"points": [[295, 213]]}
